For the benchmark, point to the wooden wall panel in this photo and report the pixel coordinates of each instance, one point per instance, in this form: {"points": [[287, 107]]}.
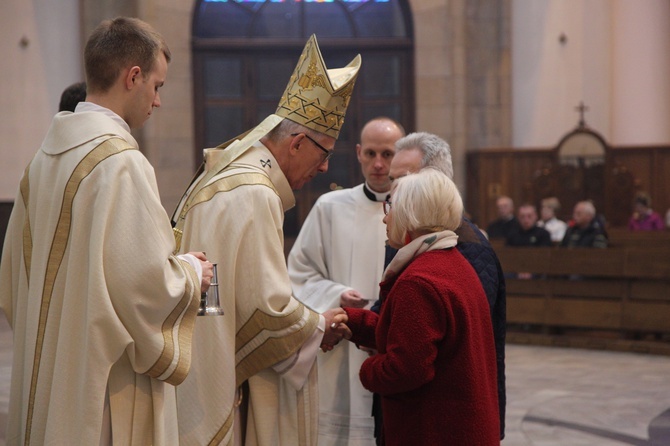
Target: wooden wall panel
{"points": [[496, 172], [507, 171]]}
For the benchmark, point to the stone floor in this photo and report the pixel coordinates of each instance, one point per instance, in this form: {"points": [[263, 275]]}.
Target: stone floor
{"points": [[555, 396]]}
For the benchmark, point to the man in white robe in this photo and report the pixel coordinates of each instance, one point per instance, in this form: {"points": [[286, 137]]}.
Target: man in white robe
{"points": [[102, 313], [338, 260], [235, 209]]}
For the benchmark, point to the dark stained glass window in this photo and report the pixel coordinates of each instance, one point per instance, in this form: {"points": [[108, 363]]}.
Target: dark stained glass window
{"points": [[245, 51]]}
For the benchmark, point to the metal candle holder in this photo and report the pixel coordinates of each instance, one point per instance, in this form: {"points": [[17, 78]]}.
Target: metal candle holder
{"points": [[210, 305]]}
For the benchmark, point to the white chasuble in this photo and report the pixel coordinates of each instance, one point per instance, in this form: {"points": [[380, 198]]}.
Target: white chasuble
{"points": [[102, 312], [340, 247], [236, 217]]}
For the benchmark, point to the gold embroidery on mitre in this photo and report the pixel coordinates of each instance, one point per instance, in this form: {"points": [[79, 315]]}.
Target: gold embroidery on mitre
{"points": [[312, 78], [315, 96]]}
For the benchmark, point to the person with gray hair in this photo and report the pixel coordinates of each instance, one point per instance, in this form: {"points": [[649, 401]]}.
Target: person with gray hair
{"points": [[435, 151], [435, 367], [419, 150], [585, 230]]}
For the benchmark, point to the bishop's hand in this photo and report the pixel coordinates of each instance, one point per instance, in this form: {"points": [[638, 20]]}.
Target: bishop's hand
{"points": [[336, 328]]}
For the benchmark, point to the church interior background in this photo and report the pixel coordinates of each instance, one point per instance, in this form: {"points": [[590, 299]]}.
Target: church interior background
{"points": [[485, 75], [536, 97]]}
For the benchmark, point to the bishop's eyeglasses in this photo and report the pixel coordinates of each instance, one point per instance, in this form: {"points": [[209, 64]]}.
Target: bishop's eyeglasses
{"points": [[328, 153]]}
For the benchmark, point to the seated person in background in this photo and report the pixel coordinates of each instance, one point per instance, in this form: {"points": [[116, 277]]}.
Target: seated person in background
{"points": [[506, 223], [436, 363], [585, 230], [549, 207], [529, 234], [644, 218]]}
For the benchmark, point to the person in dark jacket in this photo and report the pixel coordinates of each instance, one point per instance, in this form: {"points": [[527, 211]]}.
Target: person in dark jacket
{"points": [[585, 230], [506, 223], [528, 234], [414, 152]]}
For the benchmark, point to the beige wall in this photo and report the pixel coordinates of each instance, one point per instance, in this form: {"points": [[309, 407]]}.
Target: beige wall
{"points": [[168, 137], [41, 55], [480, 82], [462, 83], [463, 74], [551, 76], [615, 57], [640, 109]]}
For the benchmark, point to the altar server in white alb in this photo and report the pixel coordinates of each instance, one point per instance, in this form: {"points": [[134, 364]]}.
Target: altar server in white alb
{"points": [[338, 260], [235, 210], [102, 313]]}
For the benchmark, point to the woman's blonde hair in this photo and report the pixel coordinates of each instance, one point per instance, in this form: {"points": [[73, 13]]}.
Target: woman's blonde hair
{"points": [[424, 202]]}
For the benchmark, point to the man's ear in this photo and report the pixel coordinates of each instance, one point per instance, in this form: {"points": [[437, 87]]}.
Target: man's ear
{"points": [[132, 77], [295, 145], [358, 151]]}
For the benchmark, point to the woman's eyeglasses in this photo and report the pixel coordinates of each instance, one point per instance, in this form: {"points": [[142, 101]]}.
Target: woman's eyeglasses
{"points": [[387, 206]]}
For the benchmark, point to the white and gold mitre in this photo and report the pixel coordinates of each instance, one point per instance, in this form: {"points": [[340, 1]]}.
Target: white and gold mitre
{"points": [[315, 96]]}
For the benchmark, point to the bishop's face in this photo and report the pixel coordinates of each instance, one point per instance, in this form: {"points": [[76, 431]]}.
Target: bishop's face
{"points": [[308, 158]]}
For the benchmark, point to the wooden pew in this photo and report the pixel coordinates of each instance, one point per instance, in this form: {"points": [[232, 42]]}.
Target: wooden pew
{"points": [[623, 238], [620, 294]]}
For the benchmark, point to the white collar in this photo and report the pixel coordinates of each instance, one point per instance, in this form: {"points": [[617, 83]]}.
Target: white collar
{"points": [[91, 106], [380, 196]]}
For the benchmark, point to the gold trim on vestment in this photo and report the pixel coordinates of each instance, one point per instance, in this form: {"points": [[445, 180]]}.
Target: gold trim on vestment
{"points": [[207, 192], [272, 350], [27, 234], [302, 435], [260, 321], [223, 431], [228, 183], [191, 303], [101, 152], [186, 328]]}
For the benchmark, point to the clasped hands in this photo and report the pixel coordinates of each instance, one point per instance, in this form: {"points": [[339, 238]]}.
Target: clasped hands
{"points": [[336, 328]]}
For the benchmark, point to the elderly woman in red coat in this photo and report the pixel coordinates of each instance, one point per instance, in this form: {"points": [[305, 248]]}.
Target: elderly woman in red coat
{"points": [[435, 367]]}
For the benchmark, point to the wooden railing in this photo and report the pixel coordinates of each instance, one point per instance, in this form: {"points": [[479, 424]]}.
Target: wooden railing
{"points": [[617, 297]]}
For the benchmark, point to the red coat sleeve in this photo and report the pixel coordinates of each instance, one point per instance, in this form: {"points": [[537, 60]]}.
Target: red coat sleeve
{"points": [[417, 324], [363, 324]]}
